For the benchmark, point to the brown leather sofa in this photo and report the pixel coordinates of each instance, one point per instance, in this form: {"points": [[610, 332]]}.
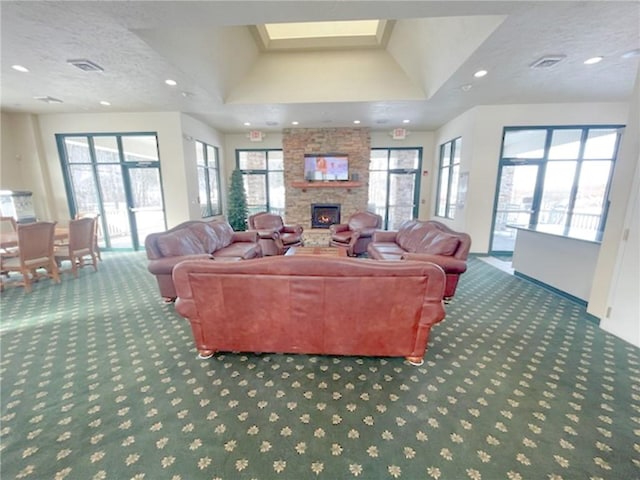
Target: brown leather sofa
{"points": [[311, 305], [429, 241], [275, 237], [356, 234], [196, 239]]}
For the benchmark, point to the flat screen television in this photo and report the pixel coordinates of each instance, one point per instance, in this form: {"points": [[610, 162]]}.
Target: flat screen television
{"points": [[326, 167]]}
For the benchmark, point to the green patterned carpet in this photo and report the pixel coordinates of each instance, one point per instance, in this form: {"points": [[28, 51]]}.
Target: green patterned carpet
{"points": [[100, 380]]}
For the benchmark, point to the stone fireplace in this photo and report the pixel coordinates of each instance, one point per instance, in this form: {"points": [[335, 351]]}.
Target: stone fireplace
{"points": [[323, 215], [300, 195]]}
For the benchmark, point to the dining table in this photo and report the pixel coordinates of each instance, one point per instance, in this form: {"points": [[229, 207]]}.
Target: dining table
{"points": [[10, 239]]}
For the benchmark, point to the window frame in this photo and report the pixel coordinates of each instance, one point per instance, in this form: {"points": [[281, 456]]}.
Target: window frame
{"points": [[544, 161], [208, 171], [265, 173], [450, 201]]}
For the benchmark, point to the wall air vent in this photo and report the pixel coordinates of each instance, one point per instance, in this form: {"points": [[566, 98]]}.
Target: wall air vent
{"points": [[86, 65], [548, 61], [48, 99]]}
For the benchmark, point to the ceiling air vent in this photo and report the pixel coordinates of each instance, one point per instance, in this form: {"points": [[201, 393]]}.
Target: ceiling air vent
{"points": [[86, 65], [48, 99], [548, 61]]}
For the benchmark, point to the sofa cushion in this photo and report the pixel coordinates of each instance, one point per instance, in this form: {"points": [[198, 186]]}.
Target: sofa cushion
{"points": [[443, 244], [243, 250], [412, 237], [207, 236], [404, 232], [181, 242], [224, 233]]}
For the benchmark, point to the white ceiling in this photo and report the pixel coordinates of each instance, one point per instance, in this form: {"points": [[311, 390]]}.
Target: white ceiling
{"points": [[208, 47]]}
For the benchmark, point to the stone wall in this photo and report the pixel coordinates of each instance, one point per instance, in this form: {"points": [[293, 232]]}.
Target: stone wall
{"points": [[355, 142]]}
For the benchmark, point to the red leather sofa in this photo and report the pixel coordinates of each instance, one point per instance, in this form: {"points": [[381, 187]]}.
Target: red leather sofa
{"points": [[196, 239], [429, 241], [311, 305]]}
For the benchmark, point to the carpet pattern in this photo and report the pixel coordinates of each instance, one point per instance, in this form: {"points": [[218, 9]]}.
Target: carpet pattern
{"points": [[100, 380]]}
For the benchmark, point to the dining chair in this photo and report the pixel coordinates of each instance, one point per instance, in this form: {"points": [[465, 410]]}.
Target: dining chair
{"points": [[96, 216], [35, 253], [79, 246], [8, 226]]}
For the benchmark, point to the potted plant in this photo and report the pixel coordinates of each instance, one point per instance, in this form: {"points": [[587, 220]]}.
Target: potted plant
{"points": [[238, 211]]}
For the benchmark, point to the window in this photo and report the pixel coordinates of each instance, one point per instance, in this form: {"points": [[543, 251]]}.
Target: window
{"points": [[263, 174], [208, 179], [554, 177], [448, 176]]}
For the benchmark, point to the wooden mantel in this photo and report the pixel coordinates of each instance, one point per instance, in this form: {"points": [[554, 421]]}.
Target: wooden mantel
{"points": [[335, 184]]}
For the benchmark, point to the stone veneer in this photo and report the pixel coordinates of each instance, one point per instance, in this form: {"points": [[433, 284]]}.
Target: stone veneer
{"points": [[296, 142]]}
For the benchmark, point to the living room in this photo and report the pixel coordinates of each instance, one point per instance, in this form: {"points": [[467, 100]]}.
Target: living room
{"points": [[31, 161], [30, 153]]}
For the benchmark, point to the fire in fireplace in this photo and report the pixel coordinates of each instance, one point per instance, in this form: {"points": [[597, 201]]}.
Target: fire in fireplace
{"points": [[323, 215]]}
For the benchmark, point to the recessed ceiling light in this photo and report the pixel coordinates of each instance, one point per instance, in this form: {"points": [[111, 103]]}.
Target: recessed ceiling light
{"points": [[105, 103], [170, 82], [20, 68], [480, 73], [593, 60], [406, 121], [187, 94], [295, 122], [247, 124], [357, 122], [631, 53]]}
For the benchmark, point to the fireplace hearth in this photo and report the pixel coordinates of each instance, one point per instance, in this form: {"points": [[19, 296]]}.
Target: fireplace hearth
{"points": [[323, 215]]}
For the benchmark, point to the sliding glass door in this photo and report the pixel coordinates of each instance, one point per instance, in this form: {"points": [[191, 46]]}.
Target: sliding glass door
{"points": [[394, 184], [118, 177]]}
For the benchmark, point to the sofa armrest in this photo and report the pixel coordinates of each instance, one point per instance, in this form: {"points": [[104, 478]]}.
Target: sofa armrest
{"points": [[164, 265], [248, 236], [384, 236], [338, 227], [266, 234], [448, 264]]}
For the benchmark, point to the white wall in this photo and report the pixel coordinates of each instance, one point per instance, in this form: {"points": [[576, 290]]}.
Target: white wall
{"points": [[481, 131], [193, 130], [21, 157], [615, 293]]}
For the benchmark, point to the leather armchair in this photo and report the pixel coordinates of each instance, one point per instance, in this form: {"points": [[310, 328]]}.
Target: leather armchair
{"points": [[274, 236], [355, 235]]}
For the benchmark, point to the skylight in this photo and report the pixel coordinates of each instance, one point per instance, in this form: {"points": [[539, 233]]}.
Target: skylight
{"points": [[322, 35], [285, 31]]}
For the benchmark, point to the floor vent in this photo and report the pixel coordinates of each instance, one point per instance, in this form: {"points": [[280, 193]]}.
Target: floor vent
{"points": [[86, 65], [548, 61]]}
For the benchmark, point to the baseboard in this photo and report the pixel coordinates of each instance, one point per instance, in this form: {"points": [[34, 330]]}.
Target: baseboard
{"points": [[568, 296]]}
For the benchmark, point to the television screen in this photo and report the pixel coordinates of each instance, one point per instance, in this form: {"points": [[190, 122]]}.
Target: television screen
{"points": [[326, 167]]}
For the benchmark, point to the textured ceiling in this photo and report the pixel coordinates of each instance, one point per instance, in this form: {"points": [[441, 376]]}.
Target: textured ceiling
{"points": [[225, 78]]}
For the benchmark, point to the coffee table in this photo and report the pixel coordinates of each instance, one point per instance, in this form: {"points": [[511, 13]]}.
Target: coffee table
{"points": [[321, 251]]}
